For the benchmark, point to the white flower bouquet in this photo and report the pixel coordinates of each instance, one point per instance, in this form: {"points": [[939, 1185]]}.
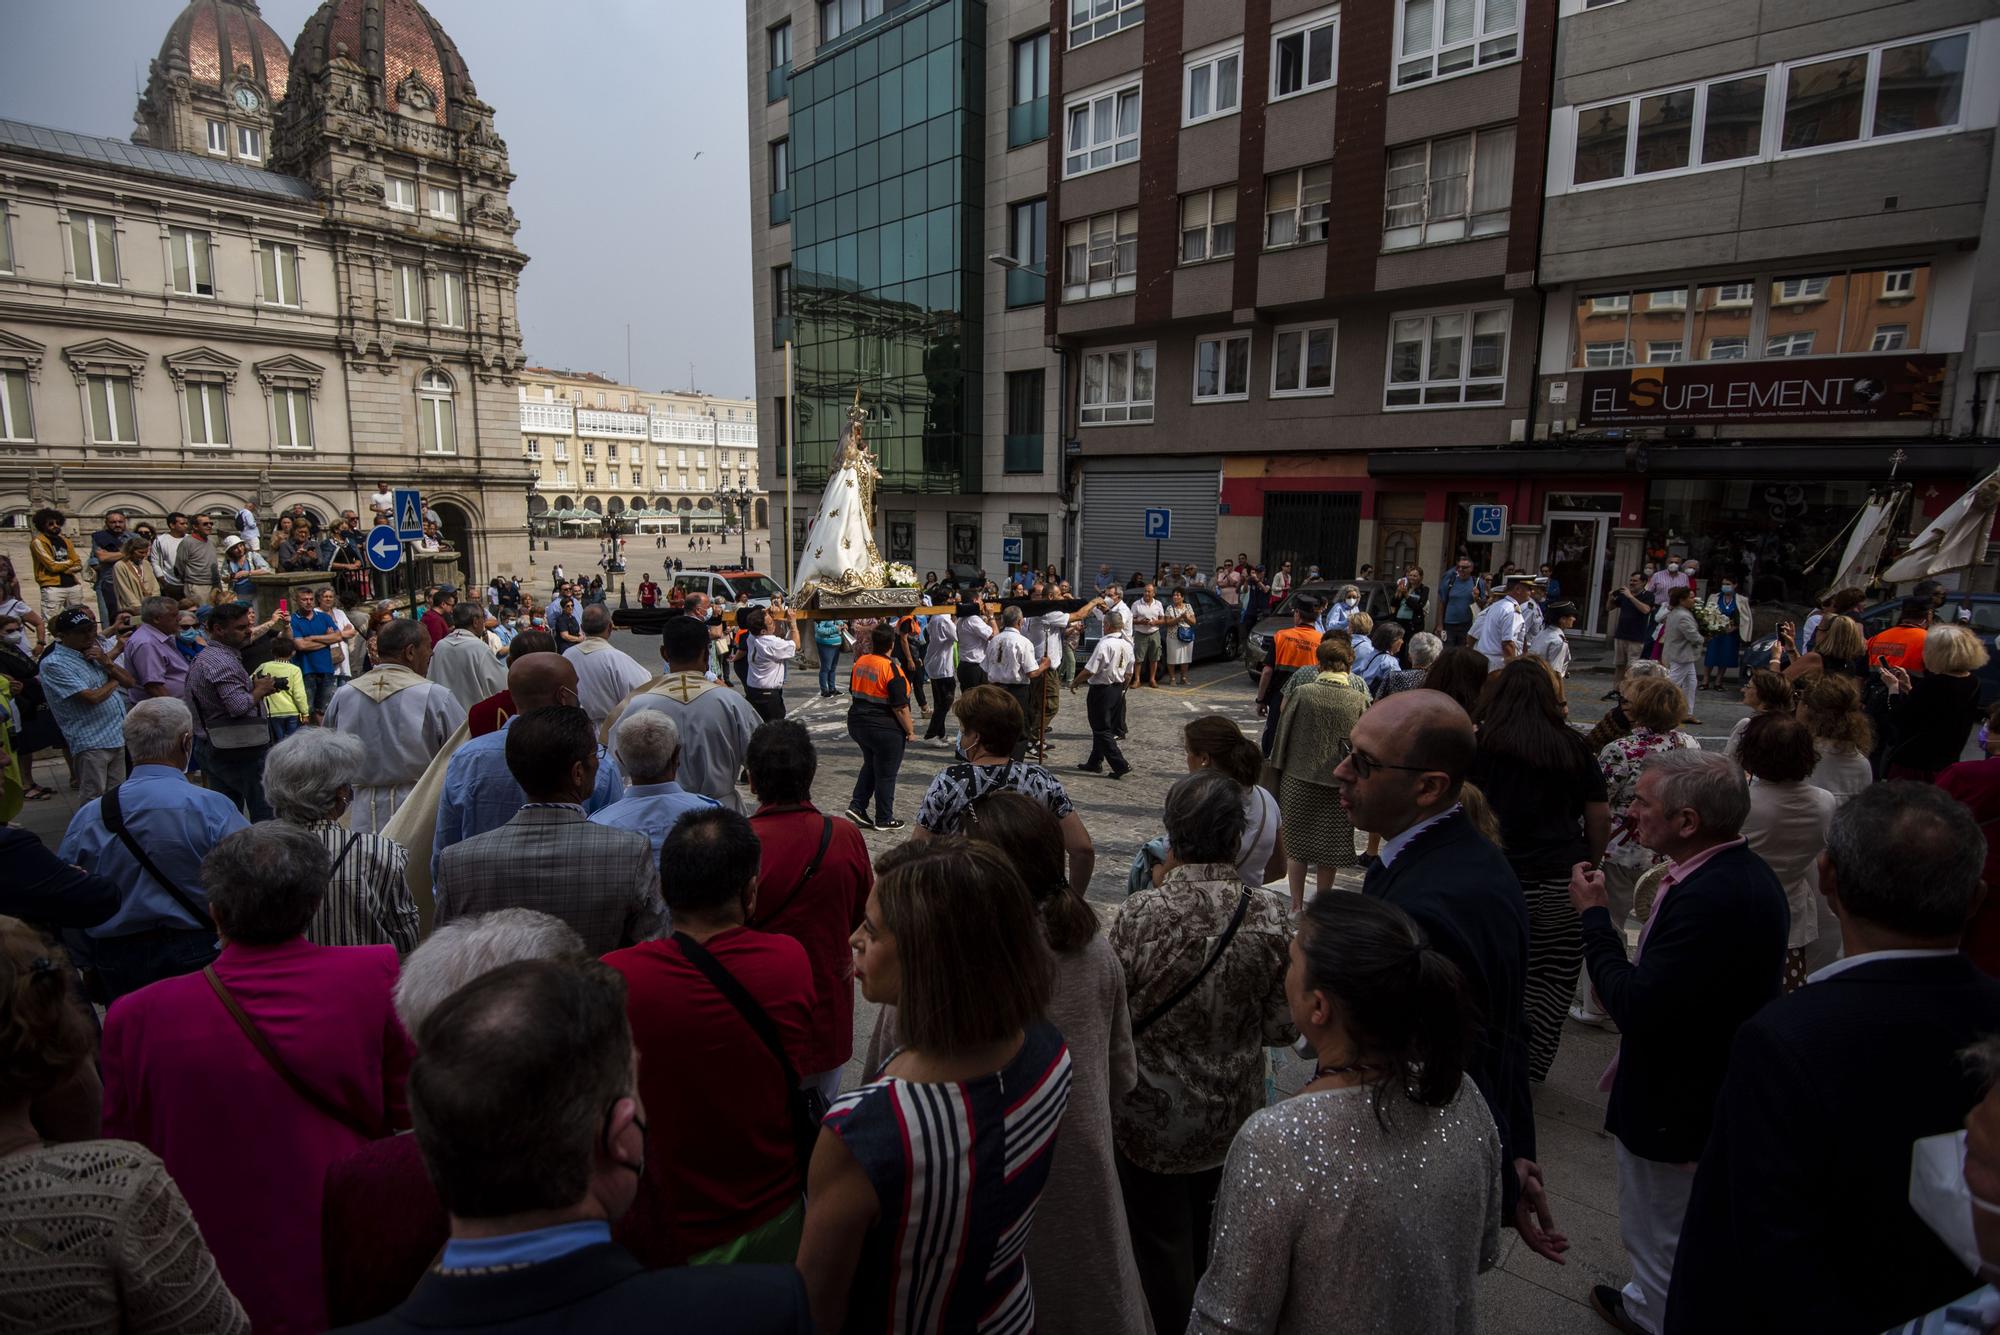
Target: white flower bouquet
{"points": [[900, 576], [1711, 621]]}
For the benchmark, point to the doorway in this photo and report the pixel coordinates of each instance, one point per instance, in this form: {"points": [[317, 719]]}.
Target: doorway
{"points": [[1576, 548]]}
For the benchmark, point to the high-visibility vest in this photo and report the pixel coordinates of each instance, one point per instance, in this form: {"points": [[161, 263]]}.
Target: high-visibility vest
{"points": [[1295, 647], [871, 677]]}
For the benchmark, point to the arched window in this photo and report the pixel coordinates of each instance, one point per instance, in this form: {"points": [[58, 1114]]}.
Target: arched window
{"points": [[437, 416]]}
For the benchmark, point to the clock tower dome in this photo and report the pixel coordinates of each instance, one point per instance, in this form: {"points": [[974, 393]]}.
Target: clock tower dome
{"points": [[214, 87]]}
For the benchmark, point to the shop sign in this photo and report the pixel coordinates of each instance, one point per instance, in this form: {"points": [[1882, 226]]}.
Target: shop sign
{"points": [[1833, 389]]}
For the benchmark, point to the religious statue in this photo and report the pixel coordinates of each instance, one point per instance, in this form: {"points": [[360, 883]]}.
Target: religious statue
{"points": [[840, 554]]}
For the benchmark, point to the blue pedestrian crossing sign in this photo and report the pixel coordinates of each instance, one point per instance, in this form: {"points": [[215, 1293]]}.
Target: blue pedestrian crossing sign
{"points": [[385, 549], [1486, 523], [1159, 525], [409, 514]]}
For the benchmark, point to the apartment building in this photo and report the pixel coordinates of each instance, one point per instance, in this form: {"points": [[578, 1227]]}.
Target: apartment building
{"points": [[1290, 238], [1764, 251], [681, 462], [898, 168]]}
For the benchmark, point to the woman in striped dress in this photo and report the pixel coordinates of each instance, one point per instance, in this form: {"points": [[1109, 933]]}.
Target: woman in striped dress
{"points": [[923, 1185], [1544, 785]]}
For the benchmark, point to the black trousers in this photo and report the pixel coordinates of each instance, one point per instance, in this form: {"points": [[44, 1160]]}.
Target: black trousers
{"points": [[1027, 695], [1102, 704], [1169, 1215], [769, 702], [971, 675], [881, 759], [943, 689]]}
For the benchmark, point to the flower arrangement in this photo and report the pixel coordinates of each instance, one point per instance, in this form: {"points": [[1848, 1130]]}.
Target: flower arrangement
{"points": [[1712, 621], [900, 576]]}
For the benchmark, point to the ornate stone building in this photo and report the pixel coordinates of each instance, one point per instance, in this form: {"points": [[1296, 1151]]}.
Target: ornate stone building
{"points": [[299, 281]]}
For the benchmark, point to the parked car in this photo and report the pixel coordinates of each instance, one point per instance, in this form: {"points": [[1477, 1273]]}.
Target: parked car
{"points": [[1376, 598], [723, 587], [1216, 633]]}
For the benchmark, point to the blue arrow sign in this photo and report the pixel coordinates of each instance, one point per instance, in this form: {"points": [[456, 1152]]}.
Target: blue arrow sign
{"points": [[409, 515], [385, 549], [1159, 525]]}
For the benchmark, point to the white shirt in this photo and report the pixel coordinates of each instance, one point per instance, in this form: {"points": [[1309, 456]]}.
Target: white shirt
{"points": [[1502, 622], [940, 636], [382, 500], [1397, 843], [1846, 962], [605, 675], [1281, 583], [1013, 658], [165, 548], [1111, 661], [342, 652], [1148, 609], [1551, 645], [767, 662], [974, 637], [1045, 634]]}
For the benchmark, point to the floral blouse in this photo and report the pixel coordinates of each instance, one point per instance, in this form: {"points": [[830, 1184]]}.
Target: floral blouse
{"points": [[1621, 762]]}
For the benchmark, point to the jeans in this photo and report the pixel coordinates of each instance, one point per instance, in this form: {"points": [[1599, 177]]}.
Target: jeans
{"points": [[881, 758], [829, 669], [319, 691], [1455, 633], [283, 726], [942, 691], [1102, 706], [125, 964], [237, 775]]}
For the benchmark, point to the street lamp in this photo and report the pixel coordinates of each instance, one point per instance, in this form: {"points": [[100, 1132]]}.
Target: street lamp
{"points": [[738, 496]]}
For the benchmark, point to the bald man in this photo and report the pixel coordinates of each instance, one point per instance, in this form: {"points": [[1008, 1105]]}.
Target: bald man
{"points": [[1408, 758], [479, 792]]}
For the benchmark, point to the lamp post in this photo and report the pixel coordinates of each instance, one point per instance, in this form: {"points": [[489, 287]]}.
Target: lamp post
{"points": [[738, 496]]}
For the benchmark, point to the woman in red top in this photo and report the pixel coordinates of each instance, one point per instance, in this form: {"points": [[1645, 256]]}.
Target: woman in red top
{"points": [[812, 886]]}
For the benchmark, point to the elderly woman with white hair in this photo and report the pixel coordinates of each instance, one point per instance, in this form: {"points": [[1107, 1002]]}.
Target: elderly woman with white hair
{"points": [[1420, 652], [648, 747], [383, 1223], [309, 781]]}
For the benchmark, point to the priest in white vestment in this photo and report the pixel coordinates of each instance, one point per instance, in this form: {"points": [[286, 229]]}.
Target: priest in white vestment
{"points": [[463, 662], [715, 722], [400, 717]]}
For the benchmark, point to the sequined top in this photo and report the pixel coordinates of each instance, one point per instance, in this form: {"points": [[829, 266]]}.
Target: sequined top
{"points": [[1326, 1223]]}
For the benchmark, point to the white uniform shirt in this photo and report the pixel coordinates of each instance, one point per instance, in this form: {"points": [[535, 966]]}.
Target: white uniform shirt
{"points": [[1503, 621], [940, 636], [605, 675], [1551, 646], [767, 662], [1013, 658], [975, 635], [1148, 609], [1110, 661], [1045, 634]]}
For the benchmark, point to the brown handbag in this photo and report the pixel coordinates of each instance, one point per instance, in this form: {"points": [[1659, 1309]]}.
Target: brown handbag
{"points": [[345, 1116]]}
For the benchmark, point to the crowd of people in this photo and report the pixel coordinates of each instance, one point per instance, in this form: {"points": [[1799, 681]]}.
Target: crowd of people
{"points": [[442, 971]]}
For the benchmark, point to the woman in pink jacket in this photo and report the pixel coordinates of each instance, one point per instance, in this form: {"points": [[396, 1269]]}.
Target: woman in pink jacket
{"points": [[248, 1080]]}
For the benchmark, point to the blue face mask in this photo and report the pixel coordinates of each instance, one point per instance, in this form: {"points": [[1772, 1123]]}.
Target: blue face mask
{"points": [[192, 637]]}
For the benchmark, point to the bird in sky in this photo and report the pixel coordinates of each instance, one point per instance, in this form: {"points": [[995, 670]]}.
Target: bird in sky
{"points": [[697, 156]]}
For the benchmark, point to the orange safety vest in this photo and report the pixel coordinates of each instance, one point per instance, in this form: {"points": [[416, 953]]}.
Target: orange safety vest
{"points": [[1295, 647], [871, 677]]}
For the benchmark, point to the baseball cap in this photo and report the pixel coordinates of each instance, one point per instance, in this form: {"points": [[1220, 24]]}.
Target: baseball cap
{"points": [[72, 618]]}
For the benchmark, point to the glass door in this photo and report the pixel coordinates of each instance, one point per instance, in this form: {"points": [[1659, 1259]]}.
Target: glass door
{"points": [[1576, 548]]}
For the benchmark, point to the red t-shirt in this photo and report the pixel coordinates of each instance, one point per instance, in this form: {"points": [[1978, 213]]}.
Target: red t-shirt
{"points": [[490, 713], [434, 622], [820, 916], [720, 1158]]}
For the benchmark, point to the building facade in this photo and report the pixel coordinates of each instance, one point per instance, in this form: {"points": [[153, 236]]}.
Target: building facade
{"points": [[664, 460], [302, 284], [887, 158]]}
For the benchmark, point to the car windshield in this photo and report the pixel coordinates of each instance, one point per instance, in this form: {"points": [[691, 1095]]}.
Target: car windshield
{"points": [[753, 586], [1319, 593]]}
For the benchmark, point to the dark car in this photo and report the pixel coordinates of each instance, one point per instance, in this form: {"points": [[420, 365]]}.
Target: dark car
{"points": [[1216, 634], [1984, 622], [1375, 601], [956, 585]]}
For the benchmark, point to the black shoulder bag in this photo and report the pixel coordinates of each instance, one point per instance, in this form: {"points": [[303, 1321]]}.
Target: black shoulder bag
{"points": [[114, 821], [812, 870], [808, 1106], [1152, 1017]]}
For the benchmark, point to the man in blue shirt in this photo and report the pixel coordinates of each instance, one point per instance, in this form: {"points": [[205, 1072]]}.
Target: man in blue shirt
{"points": [[1460, 594], [313, 632], [152, 935], [82, 682], [480, 792], [648, 747]]}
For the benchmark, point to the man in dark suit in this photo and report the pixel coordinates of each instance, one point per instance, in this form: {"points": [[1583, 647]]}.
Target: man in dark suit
{"points": [[525, 1099], [1710, 956], [1800, 1217], [1407, 759], [550, 857]]}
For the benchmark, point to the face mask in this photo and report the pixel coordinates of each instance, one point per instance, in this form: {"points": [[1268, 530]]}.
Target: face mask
{"points": [[1939, 1196], [1729, 588], [1674, 569], [958, 748], [1350, 602], [191, 637]]}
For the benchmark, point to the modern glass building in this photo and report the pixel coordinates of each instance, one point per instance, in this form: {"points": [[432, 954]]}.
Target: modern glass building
{"points": [[883, 180]]}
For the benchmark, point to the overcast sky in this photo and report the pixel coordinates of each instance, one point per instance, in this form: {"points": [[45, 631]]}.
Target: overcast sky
{"points": [[603, 104]]}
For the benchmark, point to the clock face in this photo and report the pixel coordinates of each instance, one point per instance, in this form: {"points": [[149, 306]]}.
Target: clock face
{"points": [[246, 99]]}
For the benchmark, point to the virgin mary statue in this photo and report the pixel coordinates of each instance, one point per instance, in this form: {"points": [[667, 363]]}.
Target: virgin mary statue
{"points": [[840, 554]]}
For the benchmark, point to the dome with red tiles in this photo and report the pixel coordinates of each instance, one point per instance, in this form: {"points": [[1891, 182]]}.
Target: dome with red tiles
{"points": [[407, 53], [214, 41]]}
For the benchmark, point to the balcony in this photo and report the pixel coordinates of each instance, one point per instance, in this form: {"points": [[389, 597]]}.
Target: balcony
{"points": [[781, 207], [1027, 123], [777, 83], [597, 422], [1024, 288], [1022, 454], [546, 418]]}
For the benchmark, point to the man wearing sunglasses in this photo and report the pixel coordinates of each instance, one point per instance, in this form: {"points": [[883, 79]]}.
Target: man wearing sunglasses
{"points": [[1405, 762]]}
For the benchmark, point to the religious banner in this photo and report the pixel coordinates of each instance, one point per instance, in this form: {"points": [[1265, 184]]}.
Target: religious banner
{"points": [[1781, 390]]}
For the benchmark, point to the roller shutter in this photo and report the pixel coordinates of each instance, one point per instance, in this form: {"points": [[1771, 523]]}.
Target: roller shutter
{"points": [[1118, 492]]}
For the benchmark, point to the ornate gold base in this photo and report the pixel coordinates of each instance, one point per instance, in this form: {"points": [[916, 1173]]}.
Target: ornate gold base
{"points": [[862, 601]]}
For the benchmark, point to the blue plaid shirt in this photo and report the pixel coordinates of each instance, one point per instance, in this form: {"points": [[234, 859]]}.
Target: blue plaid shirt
{"points": [[85, 727]]}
